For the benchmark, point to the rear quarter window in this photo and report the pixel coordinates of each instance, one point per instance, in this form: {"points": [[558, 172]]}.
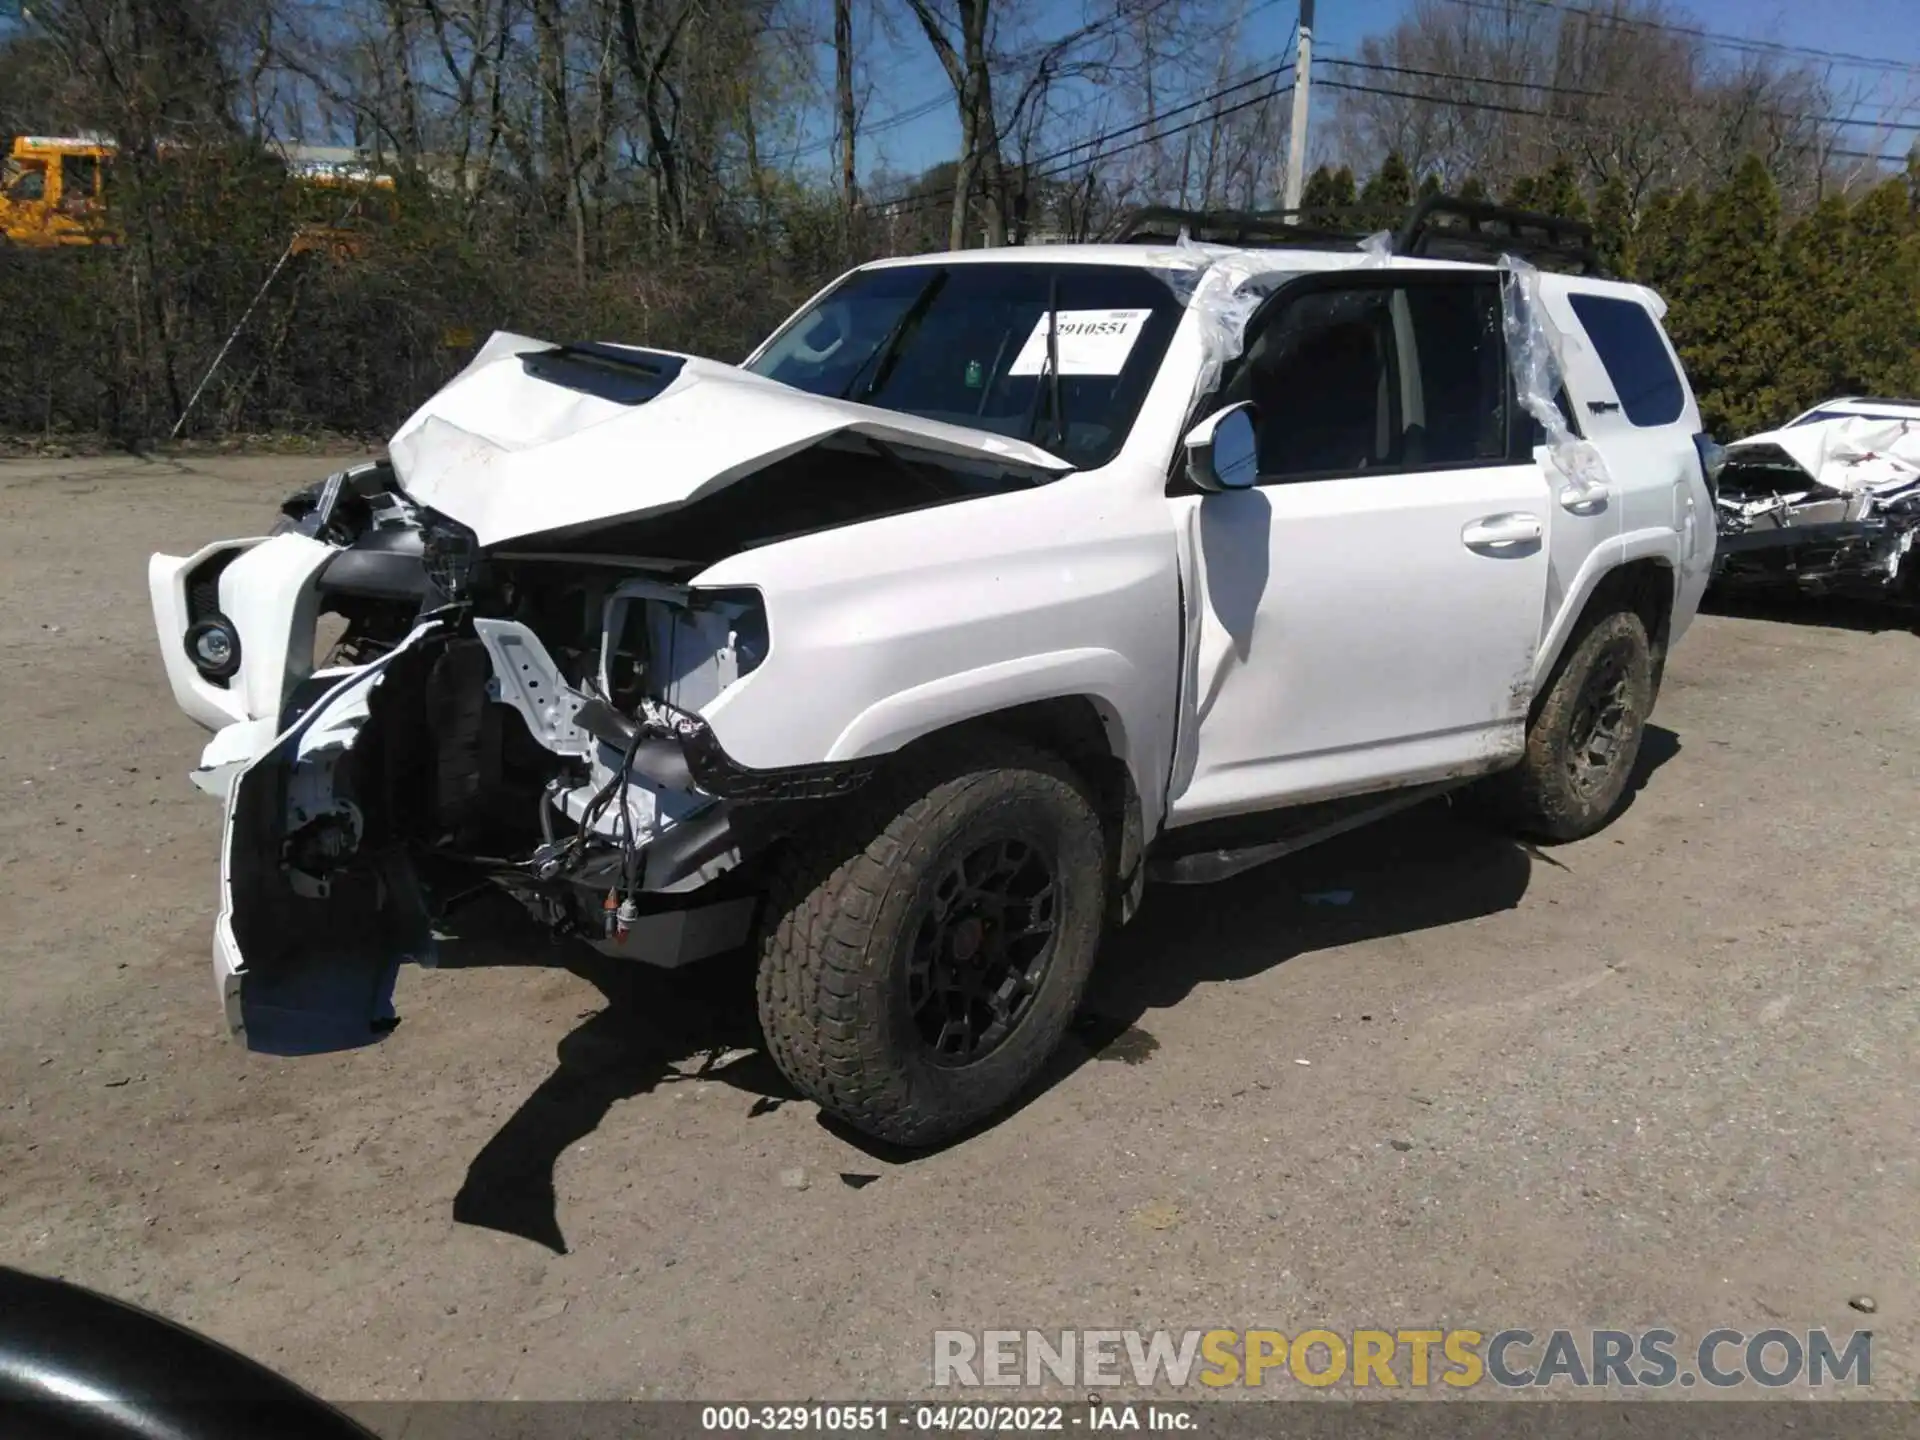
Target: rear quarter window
{"points": [[1628, 342]]}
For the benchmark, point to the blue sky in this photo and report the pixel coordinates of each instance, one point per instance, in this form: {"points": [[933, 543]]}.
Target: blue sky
{"points": [[1888, 29]]}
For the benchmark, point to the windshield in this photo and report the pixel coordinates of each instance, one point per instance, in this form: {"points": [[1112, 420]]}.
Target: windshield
{"points": [[969, 344]]}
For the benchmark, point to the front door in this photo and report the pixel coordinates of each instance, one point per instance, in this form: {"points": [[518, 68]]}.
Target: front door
{"points": [[1368, 614]]}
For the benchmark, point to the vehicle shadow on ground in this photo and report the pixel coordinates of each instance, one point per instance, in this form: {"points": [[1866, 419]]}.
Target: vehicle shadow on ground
{"points": [[1434, 865], [657, 1027], [1428, 867], [1831, 612], [1437, 864], [1657, 746]]}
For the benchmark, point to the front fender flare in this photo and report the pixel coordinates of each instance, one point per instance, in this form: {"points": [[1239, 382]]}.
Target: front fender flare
{"points": [[1105, 676]]}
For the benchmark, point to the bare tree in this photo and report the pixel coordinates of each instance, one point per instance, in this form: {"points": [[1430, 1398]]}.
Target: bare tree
{"points": [[1501, 90]]}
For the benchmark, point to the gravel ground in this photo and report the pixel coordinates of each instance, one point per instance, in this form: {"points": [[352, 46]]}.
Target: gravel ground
{"points": [[1665, 1076]]}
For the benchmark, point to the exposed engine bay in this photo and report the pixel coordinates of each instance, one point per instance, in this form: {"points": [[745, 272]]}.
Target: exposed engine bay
{"points": [[410, 708], [1830, 503], [538, 714]]}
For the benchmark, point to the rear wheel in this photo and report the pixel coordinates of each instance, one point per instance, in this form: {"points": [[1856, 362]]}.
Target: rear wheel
{"points": [[924, 951], [1585, 737]]}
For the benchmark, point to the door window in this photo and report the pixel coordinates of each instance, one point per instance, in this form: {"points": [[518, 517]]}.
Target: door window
{"points": [[1322, 380], [1630, 347], [31, 184], [1462, 380], [1373, 378], [76, 181]]}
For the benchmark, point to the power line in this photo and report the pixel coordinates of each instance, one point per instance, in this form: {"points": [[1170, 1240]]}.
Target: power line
{"points": [[934, 197], [1547, 115], [1220, 94], [927, 107], [890, 122], [1098, 144], [1277, 94], [930, 197], [1896, 161], [1490, 105], [1039, 48], [1696, 32], [1545, 88], [1216, 32]]}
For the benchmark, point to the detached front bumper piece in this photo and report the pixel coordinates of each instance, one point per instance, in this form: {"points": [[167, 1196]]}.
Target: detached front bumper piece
{"points": [[358, 794], [319, 904]]}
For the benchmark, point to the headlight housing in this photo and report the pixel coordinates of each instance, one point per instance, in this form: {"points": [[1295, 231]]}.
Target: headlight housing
{"points": [[746, 614], [684, 651], [213, 645], [450, 554]]}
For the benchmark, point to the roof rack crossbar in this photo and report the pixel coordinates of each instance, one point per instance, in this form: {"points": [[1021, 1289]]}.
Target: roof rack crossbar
{"points": [[1236, 227], [1525, 230], [1438, 226]]}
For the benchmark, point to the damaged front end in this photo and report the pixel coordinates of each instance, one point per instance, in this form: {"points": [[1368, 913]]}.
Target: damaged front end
{"points": [[529, 719], [486, 661], [1825, 506]]}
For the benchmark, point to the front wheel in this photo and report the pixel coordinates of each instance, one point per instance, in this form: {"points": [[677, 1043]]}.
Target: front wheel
{"points": [[924, 951], [1584, 739]]}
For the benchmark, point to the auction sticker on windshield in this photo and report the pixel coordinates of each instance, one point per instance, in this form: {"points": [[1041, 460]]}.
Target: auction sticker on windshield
{"points": [[1092, 342]]}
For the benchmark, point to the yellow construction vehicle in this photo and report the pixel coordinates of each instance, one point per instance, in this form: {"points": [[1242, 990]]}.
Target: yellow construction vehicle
{"points": [[54, 190], [339, 208], [54, 194]]}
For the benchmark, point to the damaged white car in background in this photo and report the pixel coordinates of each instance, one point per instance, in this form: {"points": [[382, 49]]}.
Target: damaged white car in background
{"points": [[1830, 502], [909, 649]]}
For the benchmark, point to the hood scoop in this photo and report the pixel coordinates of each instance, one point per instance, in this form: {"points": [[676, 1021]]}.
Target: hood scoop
{"points": [[609, 372]]}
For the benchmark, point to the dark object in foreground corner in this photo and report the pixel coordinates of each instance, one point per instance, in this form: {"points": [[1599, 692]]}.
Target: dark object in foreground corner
{"points": [[76, 1364]]}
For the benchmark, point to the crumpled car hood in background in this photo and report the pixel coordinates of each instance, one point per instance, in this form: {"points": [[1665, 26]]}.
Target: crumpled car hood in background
{"points": [[1852, 454], [508, 455]]}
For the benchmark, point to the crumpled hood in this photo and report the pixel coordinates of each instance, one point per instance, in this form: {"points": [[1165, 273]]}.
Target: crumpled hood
{"points": [[1850, 454], [508, 454]]}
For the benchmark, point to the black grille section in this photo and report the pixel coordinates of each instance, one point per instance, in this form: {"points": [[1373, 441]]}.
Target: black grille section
{"points": [[203, 585]]}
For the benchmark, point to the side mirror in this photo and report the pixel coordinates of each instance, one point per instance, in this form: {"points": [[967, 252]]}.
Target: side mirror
{"points": [[1222, 453]]}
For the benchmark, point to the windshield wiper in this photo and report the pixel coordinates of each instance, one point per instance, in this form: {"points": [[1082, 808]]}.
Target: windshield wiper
{"points": [[1057, 430], [888, 351], [1056, 409]]}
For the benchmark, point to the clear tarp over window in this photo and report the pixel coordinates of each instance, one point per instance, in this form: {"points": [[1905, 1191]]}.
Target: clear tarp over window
{"points": [[1535, 347]]}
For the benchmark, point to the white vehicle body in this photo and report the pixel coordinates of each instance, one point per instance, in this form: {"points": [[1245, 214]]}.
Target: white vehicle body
{"points": [[1225, 654], [1830, 500]]}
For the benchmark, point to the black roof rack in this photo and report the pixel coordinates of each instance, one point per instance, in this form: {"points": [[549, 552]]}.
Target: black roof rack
{"points": [[1439, 227], [1313, 229], [1478, 229]]}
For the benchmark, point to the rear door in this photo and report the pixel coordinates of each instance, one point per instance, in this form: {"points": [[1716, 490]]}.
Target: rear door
{"points": [[1629, 397], [1368, 614]]}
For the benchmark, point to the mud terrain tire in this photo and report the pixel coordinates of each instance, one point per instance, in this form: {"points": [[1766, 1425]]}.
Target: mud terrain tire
{"points": [[1585, 735], [900, 984]]}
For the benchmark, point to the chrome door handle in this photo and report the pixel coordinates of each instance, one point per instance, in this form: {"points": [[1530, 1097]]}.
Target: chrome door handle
{"points": [[1590, 500], [1494, 532]]}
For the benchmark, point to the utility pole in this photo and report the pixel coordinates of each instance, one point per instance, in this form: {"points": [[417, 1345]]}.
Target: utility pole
{"points": [[1297, 133], [843, 94]]}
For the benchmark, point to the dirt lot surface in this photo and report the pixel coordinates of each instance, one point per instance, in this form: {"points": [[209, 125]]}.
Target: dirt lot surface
{"points": [[1668, 1075]]}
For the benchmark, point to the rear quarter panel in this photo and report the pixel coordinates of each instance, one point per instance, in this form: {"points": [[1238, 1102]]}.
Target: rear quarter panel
{"points": [[1659, 491]]}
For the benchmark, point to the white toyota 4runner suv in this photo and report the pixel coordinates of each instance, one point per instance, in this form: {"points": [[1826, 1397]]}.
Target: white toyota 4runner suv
{"points": [[991, 586]]}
